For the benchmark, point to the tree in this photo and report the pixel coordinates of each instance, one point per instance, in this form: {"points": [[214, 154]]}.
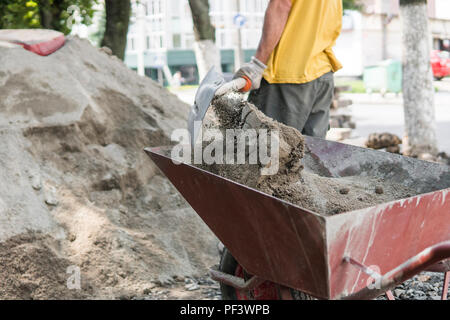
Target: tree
{"points": [[418, 91], [352, 4], [206, 52], [116, 28], [47, 14]]}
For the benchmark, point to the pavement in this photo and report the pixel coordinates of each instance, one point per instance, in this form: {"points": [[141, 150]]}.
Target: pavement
{"points": [[374, 113]]}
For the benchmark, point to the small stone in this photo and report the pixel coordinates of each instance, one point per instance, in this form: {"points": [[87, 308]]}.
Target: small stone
{"points": [[382, 140], [36, 182], [165, 281], [420, 293], [192, 287], [123, 209], [399, 292], [393, 149], [426, 157], [72, 237], [106, 50], [344, 190], [147, 291], [108, 182], [50, 197], [379, 190], [423, 277]]}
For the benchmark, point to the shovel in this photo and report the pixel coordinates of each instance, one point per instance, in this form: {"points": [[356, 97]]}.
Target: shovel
{"points": [[213, 85], [40, 41]]}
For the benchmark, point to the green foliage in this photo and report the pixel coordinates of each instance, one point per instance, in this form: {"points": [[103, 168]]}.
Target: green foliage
{"points": [[97, 36], [407, 2], [49, 14], [352, 4], [19, 14]]}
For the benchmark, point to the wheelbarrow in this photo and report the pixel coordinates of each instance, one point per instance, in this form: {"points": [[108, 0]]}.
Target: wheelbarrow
{"points": [[278, 250]]}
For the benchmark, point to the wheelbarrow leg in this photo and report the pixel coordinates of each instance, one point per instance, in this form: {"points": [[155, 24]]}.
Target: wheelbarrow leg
{"points": [[445, 286], [389, 295]]}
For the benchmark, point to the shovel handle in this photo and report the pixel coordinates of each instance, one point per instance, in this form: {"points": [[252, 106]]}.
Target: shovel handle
{"points": [[239, 84]]}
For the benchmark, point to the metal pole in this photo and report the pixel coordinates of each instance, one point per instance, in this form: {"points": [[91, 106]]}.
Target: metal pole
{"points": [[238, 53], [140, 38]]}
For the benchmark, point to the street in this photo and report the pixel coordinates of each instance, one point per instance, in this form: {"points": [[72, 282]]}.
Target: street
{"points": [[373, 113]]}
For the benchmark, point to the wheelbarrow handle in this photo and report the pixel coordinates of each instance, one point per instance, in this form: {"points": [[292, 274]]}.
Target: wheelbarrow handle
{"points": [[405, 271], [239, 84]]}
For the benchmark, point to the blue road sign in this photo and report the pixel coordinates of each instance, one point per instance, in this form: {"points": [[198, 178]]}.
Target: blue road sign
{"points": [[239, 20]]}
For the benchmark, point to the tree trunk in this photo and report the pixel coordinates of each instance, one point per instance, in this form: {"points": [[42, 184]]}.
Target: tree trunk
{"points": [[418, 92], [50, 14], [116, 29], [206, 52]]}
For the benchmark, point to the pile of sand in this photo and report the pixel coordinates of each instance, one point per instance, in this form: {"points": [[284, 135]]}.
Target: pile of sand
{"points": [[77, 188], [307, 188]]}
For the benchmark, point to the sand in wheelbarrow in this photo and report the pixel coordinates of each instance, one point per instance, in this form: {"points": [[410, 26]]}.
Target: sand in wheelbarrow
{"points": [[310, 190]]}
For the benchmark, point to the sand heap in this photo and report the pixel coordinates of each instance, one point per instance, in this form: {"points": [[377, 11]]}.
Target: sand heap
{"points": [[76, 189], [306, 188]]}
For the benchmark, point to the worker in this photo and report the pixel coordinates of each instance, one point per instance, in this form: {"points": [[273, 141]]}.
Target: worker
{"points": [[292, 70]]}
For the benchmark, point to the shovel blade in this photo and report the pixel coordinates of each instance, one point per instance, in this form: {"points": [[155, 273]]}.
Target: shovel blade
{"points": [[205, 93]]}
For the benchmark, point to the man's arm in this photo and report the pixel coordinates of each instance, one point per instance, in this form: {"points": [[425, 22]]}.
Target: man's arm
{"points": [[275, 20]]}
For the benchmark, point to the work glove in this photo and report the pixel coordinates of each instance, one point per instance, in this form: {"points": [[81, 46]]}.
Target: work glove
{"points": [[252, 70]]}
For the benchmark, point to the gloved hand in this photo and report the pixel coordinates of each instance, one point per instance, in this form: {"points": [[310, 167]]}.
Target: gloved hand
{"points": [[253, 70]]}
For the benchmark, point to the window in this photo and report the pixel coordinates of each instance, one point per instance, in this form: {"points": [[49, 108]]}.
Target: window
{"points": [[176, 38], [175, 8], [147, 8], [147, 38], [190, 39]]}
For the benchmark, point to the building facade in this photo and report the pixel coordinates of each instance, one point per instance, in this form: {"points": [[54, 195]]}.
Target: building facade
{"points": [[375, 34], [161, 35]]}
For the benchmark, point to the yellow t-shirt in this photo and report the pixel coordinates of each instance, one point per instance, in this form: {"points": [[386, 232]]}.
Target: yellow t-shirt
{"points": [[304, 52]]}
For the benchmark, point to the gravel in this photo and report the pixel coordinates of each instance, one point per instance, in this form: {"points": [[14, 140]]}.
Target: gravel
{"points": [[425, 286]]}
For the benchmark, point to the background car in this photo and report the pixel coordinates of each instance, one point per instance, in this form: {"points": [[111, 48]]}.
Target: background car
{"points": [[440, 63]]}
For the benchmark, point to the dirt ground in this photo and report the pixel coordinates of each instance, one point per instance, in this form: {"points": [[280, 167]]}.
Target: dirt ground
{"points": [[425, 286]]}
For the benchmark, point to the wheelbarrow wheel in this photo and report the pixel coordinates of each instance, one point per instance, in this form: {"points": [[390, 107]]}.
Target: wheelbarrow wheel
{"points": [[266, 291]]}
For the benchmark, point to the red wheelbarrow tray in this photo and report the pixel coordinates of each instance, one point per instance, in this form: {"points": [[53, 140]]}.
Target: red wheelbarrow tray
{"points": [[327, 256]]}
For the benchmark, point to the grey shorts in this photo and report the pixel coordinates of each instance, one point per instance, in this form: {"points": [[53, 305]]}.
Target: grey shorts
{"points": [[303, 106]]}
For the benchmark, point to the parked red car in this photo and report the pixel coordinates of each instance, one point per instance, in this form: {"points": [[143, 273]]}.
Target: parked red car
{"points": [[440, 63]]}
